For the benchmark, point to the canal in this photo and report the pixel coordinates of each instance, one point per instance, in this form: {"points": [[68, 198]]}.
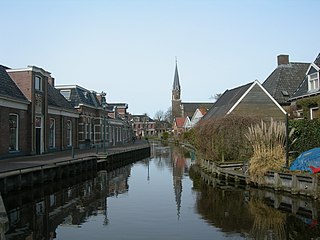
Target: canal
{"points": [[162, 197]]}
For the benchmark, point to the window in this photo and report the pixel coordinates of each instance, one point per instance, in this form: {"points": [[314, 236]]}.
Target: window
{"points": [[52, 133], [314, 113], [69, 133], [66, 94], [313, 81], [13, 130], [38, 83]]}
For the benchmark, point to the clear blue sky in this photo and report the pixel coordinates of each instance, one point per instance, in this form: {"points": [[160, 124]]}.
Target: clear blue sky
{"points": [[128, 48]]}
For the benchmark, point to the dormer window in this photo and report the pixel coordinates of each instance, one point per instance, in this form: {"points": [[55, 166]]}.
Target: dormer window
{"points": [[66, 94], [313, 81], [38, 83]]}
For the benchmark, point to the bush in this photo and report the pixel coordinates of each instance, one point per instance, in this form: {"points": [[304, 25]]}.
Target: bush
{"points": [[223, 139], [165, 136], [306, 135]]}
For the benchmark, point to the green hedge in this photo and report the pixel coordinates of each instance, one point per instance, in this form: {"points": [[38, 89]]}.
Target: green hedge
{"points": [[306, 135]]}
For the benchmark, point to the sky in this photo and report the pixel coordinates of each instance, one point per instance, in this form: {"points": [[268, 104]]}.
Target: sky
{"points": [[128, 48]]}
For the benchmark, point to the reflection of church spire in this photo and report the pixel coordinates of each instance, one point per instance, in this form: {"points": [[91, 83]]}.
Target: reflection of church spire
{"points": [[178, 170]]}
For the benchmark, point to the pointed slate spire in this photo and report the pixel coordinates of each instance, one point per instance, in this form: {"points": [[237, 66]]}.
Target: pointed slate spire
{"points": [[176, 83]]}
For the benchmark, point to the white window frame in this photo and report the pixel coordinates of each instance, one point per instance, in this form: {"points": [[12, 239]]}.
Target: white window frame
{"points": [[311, 112], [53, 132], [69, 133], [16, 133], [313, 81]]}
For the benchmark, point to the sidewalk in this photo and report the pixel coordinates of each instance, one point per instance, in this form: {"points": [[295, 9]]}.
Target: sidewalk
{"points": [[17, 163]]}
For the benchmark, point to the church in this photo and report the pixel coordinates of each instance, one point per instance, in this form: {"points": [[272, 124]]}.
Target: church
{"points": [[184, 109]]}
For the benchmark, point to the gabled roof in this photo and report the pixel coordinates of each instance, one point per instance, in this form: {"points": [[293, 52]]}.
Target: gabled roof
{"points": [[284, 81], [8, 88], [226, 101], [230, 99], [302, 90], [141, 117]]}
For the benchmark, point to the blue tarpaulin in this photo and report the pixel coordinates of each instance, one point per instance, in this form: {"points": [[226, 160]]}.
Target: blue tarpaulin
{"points": [[306, 159]]}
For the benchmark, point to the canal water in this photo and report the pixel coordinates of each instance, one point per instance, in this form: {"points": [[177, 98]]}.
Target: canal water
{"points": [[162, 197]]}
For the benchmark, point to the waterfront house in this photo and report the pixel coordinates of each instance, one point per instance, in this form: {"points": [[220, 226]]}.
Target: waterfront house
{"points": [[14, 121], [251, 99], [143, 125], [178, 126], [285, 79], [52, 122], [305, 101]]}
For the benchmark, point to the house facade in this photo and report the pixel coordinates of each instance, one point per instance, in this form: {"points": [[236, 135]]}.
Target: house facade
{"points": [[52, 121], [14, 118], [143, 125]]}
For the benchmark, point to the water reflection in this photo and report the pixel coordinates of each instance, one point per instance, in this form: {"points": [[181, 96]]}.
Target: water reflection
{"points": [[255, 213], [169, 198], [35, 214]]}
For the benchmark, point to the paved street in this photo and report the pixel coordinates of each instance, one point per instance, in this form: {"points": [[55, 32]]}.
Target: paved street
{"points": [[18, 163]]}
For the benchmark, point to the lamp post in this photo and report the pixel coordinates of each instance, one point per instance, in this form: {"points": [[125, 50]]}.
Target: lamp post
{"points": [[103, 102]]}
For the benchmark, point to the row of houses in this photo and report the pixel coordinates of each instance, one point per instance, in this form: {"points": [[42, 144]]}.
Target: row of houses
{"points": [[292, 89], [38, 117]]}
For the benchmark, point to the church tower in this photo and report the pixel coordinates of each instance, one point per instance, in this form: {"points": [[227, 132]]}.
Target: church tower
{"points": [[176, 92]]}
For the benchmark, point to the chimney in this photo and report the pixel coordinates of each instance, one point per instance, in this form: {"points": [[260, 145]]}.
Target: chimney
{"points": [[51, 81], [283, 59]]}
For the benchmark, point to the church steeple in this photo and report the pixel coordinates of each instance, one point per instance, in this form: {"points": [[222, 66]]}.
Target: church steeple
{"points": [[176, 83], [176, 89], [176, 92]]}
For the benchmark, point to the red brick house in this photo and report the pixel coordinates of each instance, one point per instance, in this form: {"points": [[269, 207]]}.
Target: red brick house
{"points": [[52, 122], [14, 121]]}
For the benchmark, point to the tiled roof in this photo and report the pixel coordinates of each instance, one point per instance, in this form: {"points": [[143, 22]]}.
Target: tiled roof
{"points": [[56, 99], [226, 101], [190, 107], [179, 121], [79, 95], [284, 80], [302, 89], [8, 88]]}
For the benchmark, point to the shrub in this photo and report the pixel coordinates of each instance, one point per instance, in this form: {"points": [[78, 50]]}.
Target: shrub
{"points": [[165, 136], [223, 139]]}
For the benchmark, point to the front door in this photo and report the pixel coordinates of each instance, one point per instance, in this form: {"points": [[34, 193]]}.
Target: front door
{"points": [[38, 140], [38, 136]]}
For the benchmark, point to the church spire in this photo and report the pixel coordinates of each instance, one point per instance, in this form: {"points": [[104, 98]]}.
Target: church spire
{"points": [[176, 83]]}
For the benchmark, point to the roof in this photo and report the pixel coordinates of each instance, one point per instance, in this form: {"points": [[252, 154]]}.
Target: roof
{"points": [[302, 89], [190, 107], [179, 121], [80, 95], [56, 99], [284, 80], [226, 101], [141, 117], [8, 88]]}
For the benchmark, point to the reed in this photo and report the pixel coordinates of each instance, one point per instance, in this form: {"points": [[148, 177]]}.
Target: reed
{"points": [[267, 140]]}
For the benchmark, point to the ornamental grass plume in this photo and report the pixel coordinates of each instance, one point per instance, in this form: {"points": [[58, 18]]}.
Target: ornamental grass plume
{"points": [[267, 140]]}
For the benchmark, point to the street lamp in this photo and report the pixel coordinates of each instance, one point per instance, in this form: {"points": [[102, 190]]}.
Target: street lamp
{"points": [[103, 102]]}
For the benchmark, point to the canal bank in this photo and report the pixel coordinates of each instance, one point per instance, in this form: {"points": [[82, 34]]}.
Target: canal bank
{"points": [[17, 173]]}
